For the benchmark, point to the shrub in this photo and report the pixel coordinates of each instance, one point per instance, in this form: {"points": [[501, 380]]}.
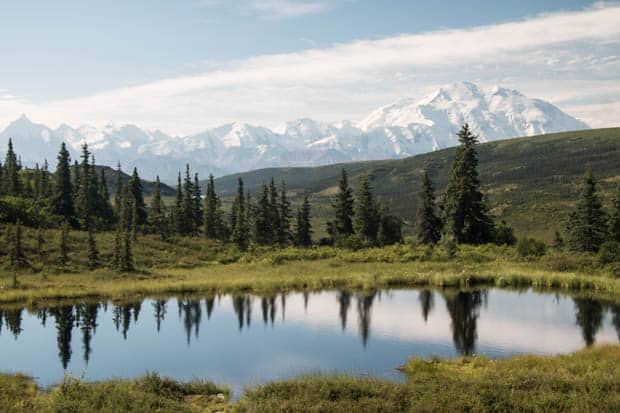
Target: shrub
{"points": [[609, 252], [504, 234], [530, 247]]}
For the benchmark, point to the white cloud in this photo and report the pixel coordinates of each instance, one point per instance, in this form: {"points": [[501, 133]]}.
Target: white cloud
{"points": [[346, 80]]}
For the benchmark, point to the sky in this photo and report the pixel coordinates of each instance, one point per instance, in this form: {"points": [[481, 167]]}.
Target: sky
{"points": [[185, 65]]}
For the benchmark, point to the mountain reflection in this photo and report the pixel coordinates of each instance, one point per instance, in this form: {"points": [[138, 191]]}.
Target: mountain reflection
{"points": [[462, 311]]}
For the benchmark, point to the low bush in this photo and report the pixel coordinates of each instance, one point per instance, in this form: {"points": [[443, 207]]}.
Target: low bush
{"points": [[530, 247]]}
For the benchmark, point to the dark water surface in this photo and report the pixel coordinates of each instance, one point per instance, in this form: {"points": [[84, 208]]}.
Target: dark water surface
{"points": [[246, 340]]}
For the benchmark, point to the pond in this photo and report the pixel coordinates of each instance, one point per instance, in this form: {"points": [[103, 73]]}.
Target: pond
{"points": [[245, 339]]}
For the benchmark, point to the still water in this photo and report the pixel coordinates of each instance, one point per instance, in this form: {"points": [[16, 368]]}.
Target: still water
{"points": [[246, 340]]}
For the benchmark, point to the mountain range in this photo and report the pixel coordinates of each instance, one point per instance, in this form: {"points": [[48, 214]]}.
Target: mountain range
{"points": [[405, 128]]}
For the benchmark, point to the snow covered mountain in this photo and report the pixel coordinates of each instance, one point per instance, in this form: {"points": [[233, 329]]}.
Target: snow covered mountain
{"points": [[404, 128]]}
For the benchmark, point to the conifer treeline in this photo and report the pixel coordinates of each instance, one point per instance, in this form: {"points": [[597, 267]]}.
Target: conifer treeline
{"points": [[79, 197]]}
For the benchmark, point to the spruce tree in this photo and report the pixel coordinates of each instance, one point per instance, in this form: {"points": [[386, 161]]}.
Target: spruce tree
{"points": [[62, 197], [40, 241], [116, 261], [428, 224], [46, 189], [93, 254], [366, 219], [18, 257], [187, 205], [104, 209], [466, 218], [197, 212], [263, 225], [64, 244], [587, 225], [11, 184], [304, 227], [284, 208], [274, 218], [240, 229], [86, 198], [119, 187], [156, 215], [178, 208], [137, 194], [212, 230], [614, 222], [343, 208]]}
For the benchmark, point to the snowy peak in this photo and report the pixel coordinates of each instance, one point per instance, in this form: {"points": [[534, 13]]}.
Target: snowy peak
{"points": [[410, 126], [494, 113]]}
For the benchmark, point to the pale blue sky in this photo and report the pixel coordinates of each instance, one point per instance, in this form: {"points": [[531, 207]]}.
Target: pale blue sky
{"points": [[57, 53]]}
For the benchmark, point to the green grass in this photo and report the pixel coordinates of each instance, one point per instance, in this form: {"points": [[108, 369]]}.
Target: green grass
{"points": [[588, 380], [195, 265], [150, 393]]}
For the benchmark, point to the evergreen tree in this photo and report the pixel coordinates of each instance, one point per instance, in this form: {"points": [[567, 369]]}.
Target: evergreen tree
{"points": [[366, 215], [86, 198], [428, 225], [212, 215], [62, 198], [157, 211], [284, 208], [304, 227], [587, 226], [18, 257], [263, 229], [116, 261], [11, 184], [137, 194], [614, 222], [64, 244], [119, 188], [240, 228], [40, 241], [46, 189], [178, 208], [343, 208], [104, 209], [37, 190], [465, 213], [197, 212], [125, 258], [187, 205], [274, 218], [390, 229], [93, 254]]}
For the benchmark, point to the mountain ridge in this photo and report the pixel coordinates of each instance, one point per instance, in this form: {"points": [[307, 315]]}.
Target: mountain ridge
{"points": [[404, 128]]}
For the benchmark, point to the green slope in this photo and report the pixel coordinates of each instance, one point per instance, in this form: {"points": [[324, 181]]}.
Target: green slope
{"points": [[530, 182]]}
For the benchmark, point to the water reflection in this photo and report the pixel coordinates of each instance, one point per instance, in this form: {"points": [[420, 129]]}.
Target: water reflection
{"points": [[409, 316]]}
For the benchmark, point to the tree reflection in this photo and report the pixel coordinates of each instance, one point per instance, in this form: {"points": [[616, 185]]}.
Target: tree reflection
{"points": [[159, 312], [427, 302], [464, 307], [589, 316], [364, 306], [615, 317], [242, 306], [87, 316], [13, 320], [192, 314], [64, 325], [344, 302]]}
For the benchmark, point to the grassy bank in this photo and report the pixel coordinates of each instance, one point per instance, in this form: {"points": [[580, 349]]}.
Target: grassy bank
{"points": [[263, 271], [585, 381], [588, 380], [151, 393]]}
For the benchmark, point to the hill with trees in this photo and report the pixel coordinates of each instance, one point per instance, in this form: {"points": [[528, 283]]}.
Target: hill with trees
{"points": [[531, 183]]}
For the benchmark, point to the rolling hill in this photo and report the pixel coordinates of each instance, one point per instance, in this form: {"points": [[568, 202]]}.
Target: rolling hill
{"points": [[529, 182]]}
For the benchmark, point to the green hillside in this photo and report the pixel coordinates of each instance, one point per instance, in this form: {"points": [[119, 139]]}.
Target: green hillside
{"points": [[530, 182]]}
